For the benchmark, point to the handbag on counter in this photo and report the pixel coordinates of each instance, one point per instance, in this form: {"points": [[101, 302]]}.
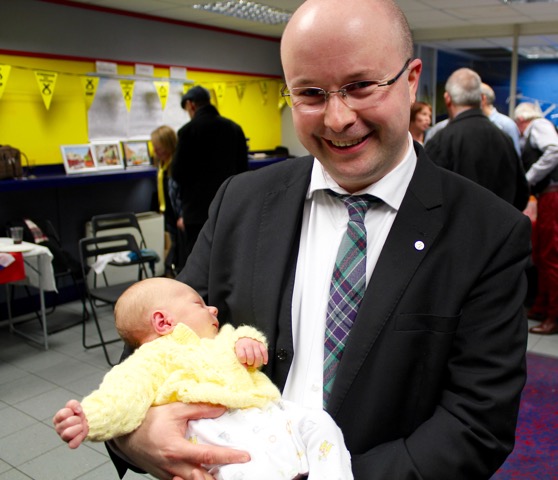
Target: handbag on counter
{"points": [[10, 162]]}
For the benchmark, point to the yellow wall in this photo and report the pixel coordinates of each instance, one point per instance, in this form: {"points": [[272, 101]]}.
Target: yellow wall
{"points": [[25, 123]]}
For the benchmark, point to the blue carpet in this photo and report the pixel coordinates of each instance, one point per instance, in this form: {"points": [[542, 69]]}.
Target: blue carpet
{"points": [[535, 456]]}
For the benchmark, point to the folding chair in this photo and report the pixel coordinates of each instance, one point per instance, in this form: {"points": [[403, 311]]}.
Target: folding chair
{"points": [[97, 285], [126, 222]]}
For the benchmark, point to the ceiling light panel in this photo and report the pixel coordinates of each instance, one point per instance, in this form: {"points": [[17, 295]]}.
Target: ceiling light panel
{"points": [[251, 11]]}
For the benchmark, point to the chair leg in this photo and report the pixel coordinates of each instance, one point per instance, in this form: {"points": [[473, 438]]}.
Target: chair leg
{"points": [[103, 343], [80, 287], [12, 297]]}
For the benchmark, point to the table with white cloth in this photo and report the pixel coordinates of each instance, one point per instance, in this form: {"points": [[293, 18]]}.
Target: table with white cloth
{"points": [[38, 274]]}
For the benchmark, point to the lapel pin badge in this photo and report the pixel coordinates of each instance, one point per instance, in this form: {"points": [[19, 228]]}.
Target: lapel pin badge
{"points": [[419, 245]]}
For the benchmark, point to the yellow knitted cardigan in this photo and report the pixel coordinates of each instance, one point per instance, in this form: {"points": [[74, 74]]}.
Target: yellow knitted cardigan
{"points": [[179, 367]]}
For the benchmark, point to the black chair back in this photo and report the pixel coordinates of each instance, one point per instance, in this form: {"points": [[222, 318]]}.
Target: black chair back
{"points": [[125, 221], [105, 292]]}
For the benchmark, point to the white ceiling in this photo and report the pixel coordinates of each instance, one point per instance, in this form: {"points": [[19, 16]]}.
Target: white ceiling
{"points": [[455, 25]]}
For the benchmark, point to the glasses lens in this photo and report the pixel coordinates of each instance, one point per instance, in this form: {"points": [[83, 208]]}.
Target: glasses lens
{"points": [[308, 99]]}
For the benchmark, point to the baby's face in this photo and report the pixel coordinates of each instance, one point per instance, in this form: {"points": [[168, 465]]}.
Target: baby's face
{"points": [[194, 313]]}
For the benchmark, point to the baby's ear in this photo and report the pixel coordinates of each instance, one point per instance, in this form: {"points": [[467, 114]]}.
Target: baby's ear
{"points": [[162, 322]]}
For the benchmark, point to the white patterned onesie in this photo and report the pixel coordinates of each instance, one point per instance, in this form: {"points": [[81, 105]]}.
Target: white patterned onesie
{"points": [[284, 440]]}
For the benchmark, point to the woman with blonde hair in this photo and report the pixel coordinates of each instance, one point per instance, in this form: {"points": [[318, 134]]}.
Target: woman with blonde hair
{"points": [[164, 142]]}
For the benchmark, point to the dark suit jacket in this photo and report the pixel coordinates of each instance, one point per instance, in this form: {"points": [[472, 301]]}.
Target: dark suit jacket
{"points": [[474, 147], [430, 381], [210, 149]]}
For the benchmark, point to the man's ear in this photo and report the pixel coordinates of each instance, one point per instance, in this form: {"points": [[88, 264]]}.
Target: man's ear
{"points": [[162, 322], [415, 68], [448, 102]]}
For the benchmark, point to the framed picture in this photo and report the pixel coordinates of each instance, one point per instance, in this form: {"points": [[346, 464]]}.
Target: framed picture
{"points": [[136, 153], [107, 155], [78, 159]]}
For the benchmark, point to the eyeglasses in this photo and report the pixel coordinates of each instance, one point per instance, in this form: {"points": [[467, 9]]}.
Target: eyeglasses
{"points": [[356, 95]]}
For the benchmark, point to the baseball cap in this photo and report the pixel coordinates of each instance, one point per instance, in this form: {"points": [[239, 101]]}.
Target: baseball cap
{"points": [[195, 94]]}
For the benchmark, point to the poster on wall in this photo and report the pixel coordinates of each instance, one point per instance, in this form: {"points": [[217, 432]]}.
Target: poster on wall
{"points": [[108, 116], [78, 159]]}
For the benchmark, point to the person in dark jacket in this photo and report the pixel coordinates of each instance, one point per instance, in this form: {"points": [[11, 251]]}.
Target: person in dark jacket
{"points": [[429, 380], [473, 146], [210, 149]]}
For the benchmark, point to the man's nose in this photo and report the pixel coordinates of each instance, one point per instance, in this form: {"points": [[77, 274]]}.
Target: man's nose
{"points": [[338, 115]]}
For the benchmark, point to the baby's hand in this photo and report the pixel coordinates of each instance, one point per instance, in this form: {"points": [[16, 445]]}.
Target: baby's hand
{"points": [[250, 352], [70, 424]]}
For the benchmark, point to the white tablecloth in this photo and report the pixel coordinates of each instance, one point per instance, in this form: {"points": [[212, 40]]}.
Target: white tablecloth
{"points": [[38, 263]]}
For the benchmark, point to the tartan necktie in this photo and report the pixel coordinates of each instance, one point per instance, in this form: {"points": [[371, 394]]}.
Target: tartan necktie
{"points": [[348, 285]]}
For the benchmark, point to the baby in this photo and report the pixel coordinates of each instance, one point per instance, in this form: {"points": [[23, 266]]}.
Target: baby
{"points": [[181, 355]]}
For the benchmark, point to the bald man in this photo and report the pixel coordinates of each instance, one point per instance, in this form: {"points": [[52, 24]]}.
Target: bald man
{"points": [[429, 376]]}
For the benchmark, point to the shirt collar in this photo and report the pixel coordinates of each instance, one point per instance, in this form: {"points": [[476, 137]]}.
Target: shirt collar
{"points": [[390, 189]]}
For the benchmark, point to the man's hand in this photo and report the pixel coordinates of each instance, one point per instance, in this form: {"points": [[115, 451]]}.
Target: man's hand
{"points": [[160, 448], [250, 352]]}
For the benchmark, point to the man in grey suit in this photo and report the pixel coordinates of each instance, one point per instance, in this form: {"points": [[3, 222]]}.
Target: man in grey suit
{"points": [[429, 383]]}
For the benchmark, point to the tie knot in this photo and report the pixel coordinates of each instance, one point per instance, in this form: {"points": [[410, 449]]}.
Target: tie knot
{"points": [[357, 205]]}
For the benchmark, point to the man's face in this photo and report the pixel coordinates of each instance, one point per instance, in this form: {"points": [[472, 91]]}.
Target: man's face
{"points": [[356, 146], [189, 107], [522, 124]]}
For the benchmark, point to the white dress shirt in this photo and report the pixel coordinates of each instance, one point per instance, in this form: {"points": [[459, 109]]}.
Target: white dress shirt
{"points": [[324, 223]]}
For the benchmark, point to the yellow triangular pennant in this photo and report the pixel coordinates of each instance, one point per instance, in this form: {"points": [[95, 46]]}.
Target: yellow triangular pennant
{"points": [[220, 90], [47, 82], [4, 74], [163, 92], [240, 89], [263, 89], [90, 85], [127, 87]]}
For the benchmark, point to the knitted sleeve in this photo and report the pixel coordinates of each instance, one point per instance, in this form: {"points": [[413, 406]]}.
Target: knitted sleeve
{"points": [[121, 402], [244, 331]]}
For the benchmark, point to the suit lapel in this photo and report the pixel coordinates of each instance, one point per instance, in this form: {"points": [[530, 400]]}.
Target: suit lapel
{"points": [[413, 233], [278, 235]]}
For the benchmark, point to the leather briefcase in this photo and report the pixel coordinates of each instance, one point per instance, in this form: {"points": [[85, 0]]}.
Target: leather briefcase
{"points": [[10, 162]]}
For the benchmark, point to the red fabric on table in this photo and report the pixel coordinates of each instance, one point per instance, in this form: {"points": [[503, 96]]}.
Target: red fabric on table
{"points": [[15, 271]]}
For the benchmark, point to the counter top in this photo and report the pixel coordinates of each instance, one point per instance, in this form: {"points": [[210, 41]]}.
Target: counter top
{"points": [[52, 177]]}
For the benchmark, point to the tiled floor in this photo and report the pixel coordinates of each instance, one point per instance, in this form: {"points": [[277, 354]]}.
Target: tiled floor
{"points": [[34, 383]]}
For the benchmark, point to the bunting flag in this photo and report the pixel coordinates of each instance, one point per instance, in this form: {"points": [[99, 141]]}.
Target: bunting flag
{"points": [[263, 89], [90, 85], [163, 92], [240, 89], [4, 74], [47, 82], [127, 87], [220, 91]]}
